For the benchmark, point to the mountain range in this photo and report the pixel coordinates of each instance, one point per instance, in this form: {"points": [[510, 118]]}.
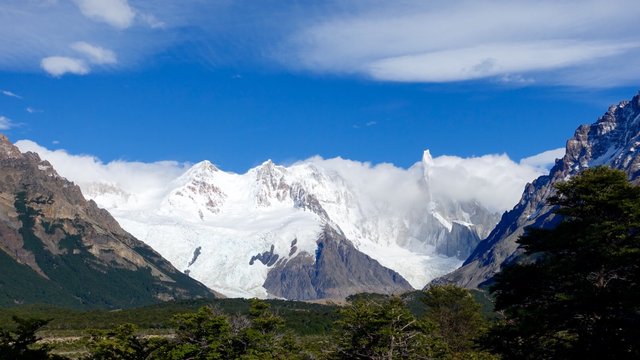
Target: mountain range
{"points": [[306, 231]]}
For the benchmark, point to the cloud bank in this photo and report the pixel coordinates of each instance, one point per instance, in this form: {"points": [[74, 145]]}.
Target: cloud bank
{"points": [[495, 181], [145, 180], [522, 42]]}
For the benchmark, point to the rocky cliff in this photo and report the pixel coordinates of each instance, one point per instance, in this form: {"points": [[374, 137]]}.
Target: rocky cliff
{"points": [[335, 271], [613, 141]]}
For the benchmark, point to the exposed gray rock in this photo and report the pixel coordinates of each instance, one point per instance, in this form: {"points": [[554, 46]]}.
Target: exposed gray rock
{"points": [[460, 242], [268, 258], [335, 271], [613, 141], [196, 254]]}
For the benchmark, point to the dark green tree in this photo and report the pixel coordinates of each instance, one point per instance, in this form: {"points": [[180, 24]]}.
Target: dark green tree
{"points": [[205, 334], [458, 318], [210, 334], [21, 342], [264, 338], [577, 295]]}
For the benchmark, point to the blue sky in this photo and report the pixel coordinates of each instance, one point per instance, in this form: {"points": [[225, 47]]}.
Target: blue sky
{"points": [[238, 82]]}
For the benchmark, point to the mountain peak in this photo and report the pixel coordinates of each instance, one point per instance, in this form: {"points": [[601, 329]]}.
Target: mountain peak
{"points": [[7, 149], [427, 159], [611, 141], [206, 166]]}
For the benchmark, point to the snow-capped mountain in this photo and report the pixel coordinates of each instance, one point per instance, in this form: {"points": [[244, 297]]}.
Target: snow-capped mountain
{"points": [[260, 233], [613, 140]]}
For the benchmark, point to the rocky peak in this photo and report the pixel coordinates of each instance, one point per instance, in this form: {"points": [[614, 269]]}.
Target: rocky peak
{"points": [[427, 163], [271, 184], [198, 193], [7, 149], [203, 168], [612, 140]]}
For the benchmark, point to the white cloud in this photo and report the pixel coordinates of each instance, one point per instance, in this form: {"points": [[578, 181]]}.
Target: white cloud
{"points": [[146, 180], [516, 43], [495, 181], [11, 94], [442, 41], [116, 13], [482, 61], [96, 54], [6, 123], [60, 65], [544, 160], [381, 186]]}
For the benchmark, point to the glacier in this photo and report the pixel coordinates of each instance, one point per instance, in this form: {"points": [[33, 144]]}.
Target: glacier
{"points": [[211, 223]]}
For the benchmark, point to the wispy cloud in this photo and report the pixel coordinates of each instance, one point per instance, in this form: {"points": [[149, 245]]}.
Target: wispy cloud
{"points": [[31, 110], [95, 54], [11, 94], [6, 123], [523, 42], [440, 41], [60, 65]]}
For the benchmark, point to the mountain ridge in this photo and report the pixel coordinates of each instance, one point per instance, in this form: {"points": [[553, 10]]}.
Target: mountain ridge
{"points": [[75, 252], [612, 141]]}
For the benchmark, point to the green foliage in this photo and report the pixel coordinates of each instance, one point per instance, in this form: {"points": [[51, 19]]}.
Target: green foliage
{"points": [[205, 334], [458, 318], [300, 317], [210, 334], [579, 296], [122, 343], [384, 330], [20, 343]]}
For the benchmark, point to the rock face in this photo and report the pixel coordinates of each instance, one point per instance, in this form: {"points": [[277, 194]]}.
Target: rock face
{"points": [[336, 271], [613, 140], [58, 248]]}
